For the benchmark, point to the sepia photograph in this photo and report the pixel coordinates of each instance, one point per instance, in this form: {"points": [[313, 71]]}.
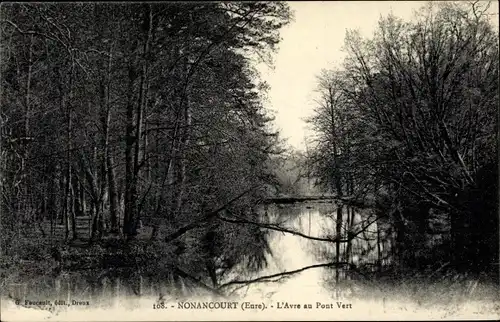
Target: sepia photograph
{"points": [[249, 161]]}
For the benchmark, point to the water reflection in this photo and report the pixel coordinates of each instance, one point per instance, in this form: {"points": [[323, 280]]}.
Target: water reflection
{"points": [[292, 252], [131, 290], [289, 252]]}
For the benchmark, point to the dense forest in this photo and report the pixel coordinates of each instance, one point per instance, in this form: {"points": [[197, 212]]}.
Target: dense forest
{"points": [[407, 127], [117, 117], [136, 135]]}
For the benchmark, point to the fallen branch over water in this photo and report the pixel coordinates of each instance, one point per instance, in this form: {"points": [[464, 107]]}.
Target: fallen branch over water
{"points": [[181, 231], [275, 227], [266, 278], [278, 228]]}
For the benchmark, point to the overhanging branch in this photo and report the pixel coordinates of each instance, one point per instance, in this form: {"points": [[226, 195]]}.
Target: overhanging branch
{"points": [[181, 231], [266, 278], [351, 235], [275, 227]]}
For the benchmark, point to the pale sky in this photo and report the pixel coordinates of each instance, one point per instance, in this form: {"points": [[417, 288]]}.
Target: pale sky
{"points": [[312, 42]]}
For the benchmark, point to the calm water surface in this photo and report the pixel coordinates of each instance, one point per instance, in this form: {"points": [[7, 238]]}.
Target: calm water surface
{"points": [[126, 294]]}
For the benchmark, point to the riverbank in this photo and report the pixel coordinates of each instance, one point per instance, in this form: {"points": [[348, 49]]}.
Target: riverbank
{"points": [[115, 276]]}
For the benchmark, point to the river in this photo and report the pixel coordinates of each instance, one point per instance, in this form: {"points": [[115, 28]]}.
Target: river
{"points": [[291, 252], [288, 299]]}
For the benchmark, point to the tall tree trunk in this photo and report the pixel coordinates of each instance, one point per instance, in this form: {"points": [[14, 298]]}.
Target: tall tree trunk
{"points": [[142, 101], [350, 224], [66, 211], [105, 118], [184, 142], [76, 206], [96, 229], [24, 171], [72, 212], [129, 165], [338, 224], [337, 182], [400, 241], [167, 177], [22, 208], [133, 140], [186, 127], [113, 196], [54, 200], [379, 249], [350, 218], [66, 105], [173, 169], [83, 201]]}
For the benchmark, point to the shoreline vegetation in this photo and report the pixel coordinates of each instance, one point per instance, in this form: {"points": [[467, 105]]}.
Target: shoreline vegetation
{"points": [[136, 150]]}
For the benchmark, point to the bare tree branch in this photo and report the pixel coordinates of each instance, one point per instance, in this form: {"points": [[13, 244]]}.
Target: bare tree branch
{"points": [[277, 228], [205, 217], [267, 278]]}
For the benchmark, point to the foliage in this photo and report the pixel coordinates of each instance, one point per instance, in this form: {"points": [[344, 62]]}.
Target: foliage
{"points": [[130, 114], [409, 122]]}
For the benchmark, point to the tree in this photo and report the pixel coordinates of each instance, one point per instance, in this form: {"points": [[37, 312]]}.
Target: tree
{"points": [[138, 113], [420, 98]]}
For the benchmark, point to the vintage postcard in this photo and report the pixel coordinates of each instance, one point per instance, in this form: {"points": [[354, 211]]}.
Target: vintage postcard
{"points": [[248, 160]]}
